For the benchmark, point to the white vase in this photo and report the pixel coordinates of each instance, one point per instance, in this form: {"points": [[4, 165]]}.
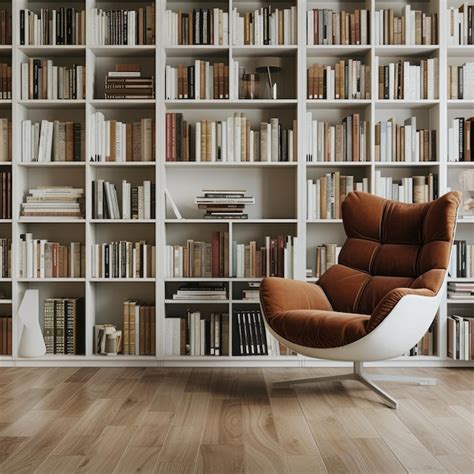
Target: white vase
{"points": [[31, 340]]}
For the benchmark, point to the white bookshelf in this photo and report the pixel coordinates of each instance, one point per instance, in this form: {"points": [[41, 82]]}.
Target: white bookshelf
{"points": [[286, 182]]}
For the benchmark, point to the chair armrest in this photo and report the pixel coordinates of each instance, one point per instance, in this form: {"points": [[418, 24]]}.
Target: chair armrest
{"points": [[388, 302], [281, 294]]}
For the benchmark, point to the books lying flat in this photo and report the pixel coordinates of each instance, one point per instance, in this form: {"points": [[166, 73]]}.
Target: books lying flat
{"points": [[460, 291], [201, 292], [53, 201], [224, 203]]}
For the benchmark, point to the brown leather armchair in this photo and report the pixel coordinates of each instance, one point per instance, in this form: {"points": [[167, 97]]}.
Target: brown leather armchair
{"points": [[380, 298]]}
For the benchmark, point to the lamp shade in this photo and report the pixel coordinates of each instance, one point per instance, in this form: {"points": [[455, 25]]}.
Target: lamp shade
{"points": [[265, 63]]}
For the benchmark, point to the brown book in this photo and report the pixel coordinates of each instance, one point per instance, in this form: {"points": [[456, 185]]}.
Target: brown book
{"points": [[129, 135], [322, 197], [355, 136]]}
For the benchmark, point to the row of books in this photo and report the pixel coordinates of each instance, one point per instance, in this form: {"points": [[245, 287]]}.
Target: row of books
{"points": [[428, 345], [327, 255], [201, 292], [52, 141], [5, 27], [461, 139], [347, 141], [123, 259], [5, 140], [224, 203], [229, 140], [326, 27], [127, 27], [137, 202], [64, 326], [41, 79], [5, 81], [394, 142], [460, 24], [5, 258], [460, 80], [460, 337], [45, 202], [127, 82], [139, 329], [203, 80], [403, 80], [412, 27], [6, 335], [462, 260], [5, 195], [199, 259], [112, 140], [197, 334], [201, 26], [347, 79], [413, 189], [461, 291], [52, 27], [325, 195], [265, 26], [40, 258], [276, 257]]}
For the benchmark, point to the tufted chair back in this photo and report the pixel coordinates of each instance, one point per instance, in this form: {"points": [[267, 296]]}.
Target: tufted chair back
{"points": [[390, 245]]}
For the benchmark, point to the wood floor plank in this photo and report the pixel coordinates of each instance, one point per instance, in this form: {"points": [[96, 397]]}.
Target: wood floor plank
{"points": [[305, 464], [59, 464], [219, 458], [137, 459], [224, 422]]}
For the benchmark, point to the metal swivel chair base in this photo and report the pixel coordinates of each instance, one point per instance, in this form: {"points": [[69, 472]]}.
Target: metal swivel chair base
{"points": [[359, 375]]}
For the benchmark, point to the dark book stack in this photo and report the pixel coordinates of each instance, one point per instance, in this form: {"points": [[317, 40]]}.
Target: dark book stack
{"points": [[5, 257], [5, 140], [5, 335], [64, 326], [53, 27], [224, 203], [461, 139], [428, 345], [204, 291], [5, 81], [249, 337], [126, 82], [5, 195], [462, 260], [460, 337], [139, 328], [5, 27]]}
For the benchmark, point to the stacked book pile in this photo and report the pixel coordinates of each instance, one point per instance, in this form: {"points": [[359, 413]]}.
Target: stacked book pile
{"points": [[203, 80], [265, 26], [208, 291], [224, 203], [347, 141], [53, 27], [428, 344], [460, 24], [123, 260], [5, 140], [53, 202], [461, 139], [6, 335], [41, 79], [126, 82], [275, 258], [413, 27], [64, 326], [347, 79], [230, 140], [460, 337], [252, 293], [394, 142], [403, 80], [138, 202], [5, 81], [460, 81], [128, 27], [39, 258], [139, 328], [199, 259], [325, 26], [327, 255], [112, 140], [325, 194], [197, 335], [461, 291], [5, 27], [202, 26], [5, 195], [413, 189], [462, 260], [5, 258], [52, 141]]}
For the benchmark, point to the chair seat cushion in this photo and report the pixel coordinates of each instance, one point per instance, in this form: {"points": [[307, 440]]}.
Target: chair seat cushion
{"points": [[319, 328]]}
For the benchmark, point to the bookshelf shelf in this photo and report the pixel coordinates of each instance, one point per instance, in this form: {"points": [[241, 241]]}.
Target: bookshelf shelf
{"points": [[186, 179]]}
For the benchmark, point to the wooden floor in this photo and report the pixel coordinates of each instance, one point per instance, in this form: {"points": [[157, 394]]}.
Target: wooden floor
{"points": [[229, 420]]}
